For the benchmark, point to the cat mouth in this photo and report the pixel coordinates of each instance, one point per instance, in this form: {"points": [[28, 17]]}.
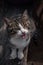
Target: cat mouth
{"points": [[23, 35]]}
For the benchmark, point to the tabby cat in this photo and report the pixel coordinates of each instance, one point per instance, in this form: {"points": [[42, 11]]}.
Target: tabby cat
{"points": [[20, 32]]}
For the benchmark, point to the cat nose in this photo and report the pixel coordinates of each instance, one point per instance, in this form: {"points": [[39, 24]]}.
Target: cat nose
{"points": [[23, 33]]}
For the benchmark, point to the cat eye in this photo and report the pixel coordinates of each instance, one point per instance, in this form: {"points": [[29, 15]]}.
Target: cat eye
{"points": [[28, 27], [18, 28], [11, 30], [27, 19]]}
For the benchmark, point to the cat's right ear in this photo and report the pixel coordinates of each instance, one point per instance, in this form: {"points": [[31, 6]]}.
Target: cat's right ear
{"points": [[6, 20], [3, 28], [6, 23]]}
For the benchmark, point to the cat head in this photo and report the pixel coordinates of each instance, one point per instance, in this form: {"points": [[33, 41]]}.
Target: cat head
{"points": [[21, 25]]}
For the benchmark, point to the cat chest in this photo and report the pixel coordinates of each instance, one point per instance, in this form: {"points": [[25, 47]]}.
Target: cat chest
{"points": [[19, 43]]}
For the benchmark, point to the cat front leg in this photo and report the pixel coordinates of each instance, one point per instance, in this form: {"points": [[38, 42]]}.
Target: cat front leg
{"points": [[20, 54], [13, 53]]}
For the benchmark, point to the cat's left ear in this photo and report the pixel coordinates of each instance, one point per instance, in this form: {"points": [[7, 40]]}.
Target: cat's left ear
{"points": [[6, 20], [3, 28], [25, 15]]}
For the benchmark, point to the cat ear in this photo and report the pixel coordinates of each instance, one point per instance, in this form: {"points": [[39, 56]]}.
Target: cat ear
{"points": [[3, 27], [25, 15], [6, 20], [33, 27]]}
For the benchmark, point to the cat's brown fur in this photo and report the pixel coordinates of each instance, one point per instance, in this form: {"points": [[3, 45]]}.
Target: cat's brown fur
{"points": [[12, 25]]}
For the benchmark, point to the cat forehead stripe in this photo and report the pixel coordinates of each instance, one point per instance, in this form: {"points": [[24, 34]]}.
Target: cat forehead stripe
{"points": [[22, 29], [20, 26]]}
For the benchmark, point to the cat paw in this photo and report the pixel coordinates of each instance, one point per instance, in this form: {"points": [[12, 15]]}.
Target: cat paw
{"points": [[20, 55]]}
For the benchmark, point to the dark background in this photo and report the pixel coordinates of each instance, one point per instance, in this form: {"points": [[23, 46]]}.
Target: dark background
{"points": [[35, 53]]}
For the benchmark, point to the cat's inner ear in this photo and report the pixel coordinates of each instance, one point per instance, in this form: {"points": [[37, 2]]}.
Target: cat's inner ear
{"points": [[25, 15], [7, 21]]}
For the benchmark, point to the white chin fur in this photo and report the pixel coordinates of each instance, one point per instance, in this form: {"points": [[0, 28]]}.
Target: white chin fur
{"points": [[19, 43]]}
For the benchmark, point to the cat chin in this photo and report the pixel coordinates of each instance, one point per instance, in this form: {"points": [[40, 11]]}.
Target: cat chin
{"points": [[19, 43]]}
